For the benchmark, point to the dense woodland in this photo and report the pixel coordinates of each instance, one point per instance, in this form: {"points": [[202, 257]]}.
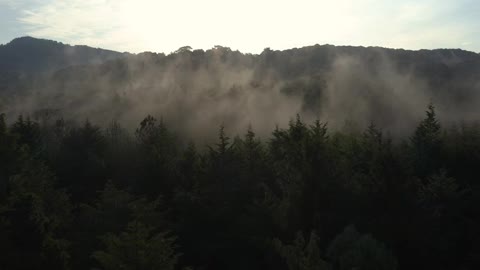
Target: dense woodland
{"points": [[196, 90], [80, 196]]}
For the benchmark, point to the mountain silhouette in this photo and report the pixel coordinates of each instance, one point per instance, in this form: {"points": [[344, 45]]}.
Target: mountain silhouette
{"points": [[27, 54]]}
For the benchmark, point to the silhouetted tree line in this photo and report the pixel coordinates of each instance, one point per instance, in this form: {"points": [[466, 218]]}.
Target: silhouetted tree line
{"points": [[82, 197]]}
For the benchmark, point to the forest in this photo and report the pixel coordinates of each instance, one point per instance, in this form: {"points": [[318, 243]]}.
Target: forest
{"points": [[195, 90], [77, 195]]}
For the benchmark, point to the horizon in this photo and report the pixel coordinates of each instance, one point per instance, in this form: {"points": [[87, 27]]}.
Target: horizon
{"points": [[164, 26], [213, 47]]}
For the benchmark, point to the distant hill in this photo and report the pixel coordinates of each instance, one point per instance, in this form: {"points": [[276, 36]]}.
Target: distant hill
{"points": [[27, 54], [197, 90]]}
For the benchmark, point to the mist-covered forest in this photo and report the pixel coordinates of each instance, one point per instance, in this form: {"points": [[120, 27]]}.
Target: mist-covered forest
{"points": [[322, 157], [196, 91]]}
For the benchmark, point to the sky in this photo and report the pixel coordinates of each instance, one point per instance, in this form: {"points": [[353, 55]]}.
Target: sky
{"points": [[245, 25]]}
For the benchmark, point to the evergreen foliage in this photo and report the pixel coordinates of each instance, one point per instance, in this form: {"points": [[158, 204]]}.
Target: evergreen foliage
{"points": [[82, 197]]}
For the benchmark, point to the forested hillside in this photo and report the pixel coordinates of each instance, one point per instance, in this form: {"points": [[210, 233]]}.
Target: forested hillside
{"points": [[27, 54], [196, 90]]}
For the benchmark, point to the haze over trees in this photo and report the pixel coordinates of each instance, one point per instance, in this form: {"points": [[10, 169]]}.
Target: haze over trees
{"points": [[195, 91], [322, 157]]}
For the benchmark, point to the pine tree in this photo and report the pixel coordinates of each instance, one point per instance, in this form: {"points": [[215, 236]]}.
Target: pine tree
{"points": [[223, 144], [426, 143]]}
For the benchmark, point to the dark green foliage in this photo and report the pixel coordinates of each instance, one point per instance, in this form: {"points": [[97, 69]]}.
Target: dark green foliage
{"points": [[158, 153], [82, 197], [11, 156], [138, 248], [352, 250], [28, 133], [111, 213], [82, 151], [33, 221], [426, 144], [302, 254], [120, 156]]}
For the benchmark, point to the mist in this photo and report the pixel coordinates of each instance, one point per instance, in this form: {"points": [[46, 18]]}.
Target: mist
{"points": [[196, 91]]}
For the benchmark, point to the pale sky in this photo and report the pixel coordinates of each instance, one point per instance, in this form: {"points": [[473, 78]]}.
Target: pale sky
{"points": [[245, 25]]}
